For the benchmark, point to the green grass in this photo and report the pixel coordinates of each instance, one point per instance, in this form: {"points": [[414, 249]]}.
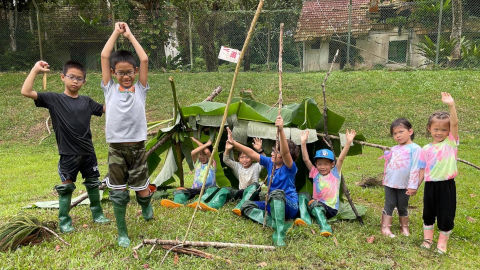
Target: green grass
{"points": [[369, 101]]}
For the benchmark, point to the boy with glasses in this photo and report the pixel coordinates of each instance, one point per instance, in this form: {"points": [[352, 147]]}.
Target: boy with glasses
{"points": [[126, 127], [70, 114]]}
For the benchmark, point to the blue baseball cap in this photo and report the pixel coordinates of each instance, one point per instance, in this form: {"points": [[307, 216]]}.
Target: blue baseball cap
{"points": [[324, 153]]}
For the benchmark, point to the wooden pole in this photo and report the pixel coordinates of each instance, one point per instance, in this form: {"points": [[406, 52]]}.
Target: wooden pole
{"points": [[225, 113], [203, 244], [280, 101], [329, 141]]}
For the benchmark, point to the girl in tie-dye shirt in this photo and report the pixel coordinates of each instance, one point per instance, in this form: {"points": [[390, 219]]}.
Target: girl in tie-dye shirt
{"points": [[401, 175], [438, 163], [326, 181]]}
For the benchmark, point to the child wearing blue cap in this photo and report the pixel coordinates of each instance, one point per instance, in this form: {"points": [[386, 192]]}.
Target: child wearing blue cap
{"points": [[326, 181]]}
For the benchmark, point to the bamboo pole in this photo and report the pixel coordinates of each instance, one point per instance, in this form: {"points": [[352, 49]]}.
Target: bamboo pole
{"points": [[201, 244], [280, 102], [329, 141], [225, 113]]}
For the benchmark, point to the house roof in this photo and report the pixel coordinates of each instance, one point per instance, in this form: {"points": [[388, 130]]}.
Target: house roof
{"points": [[324, 18]]}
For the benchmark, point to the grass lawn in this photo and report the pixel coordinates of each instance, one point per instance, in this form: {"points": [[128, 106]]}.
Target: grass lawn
{"points": [[369, 101]]}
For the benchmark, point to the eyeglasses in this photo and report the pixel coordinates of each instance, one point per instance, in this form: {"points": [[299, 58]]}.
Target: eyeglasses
{"points": [[123, 73], [73, 78]]}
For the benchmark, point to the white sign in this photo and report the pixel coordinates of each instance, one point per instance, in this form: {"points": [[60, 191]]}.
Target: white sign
{"points": [[229, 54]]}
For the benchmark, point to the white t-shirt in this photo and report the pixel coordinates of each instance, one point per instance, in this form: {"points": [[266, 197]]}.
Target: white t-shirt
{"points": [[245, 176], [125, 112]]}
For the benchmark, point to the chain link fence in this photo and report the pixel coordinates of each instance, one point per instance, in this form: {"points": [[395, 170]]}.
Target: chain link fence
{"points": [[369, 34]]}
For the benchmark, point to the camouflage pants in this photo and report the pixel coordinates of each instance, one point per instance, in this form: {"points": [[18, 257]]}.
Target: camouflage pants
{"points": [[127, 166]]}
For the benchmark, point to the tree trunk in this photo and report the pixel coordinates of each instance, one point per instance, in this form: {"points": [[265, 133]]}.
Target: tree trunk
{"points": [[206, 29], [12, 29], [456, 29]]}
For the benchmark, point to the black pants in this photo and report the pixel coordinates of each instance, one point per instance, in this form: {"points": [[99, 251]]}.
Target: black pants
{"points": [[395, 197], [440, 202]]}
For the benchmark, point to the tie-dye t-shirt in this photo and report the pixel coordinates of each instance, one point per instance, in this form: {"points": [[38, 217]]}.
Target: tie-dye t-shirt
{"points": [[401, 166], [200, 171], [440, 160], [326, 188]]}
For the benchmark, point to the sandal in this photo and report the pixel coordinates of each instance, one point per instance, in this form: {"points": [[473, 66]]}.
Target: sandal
{"points": [[427, 243], [441, 252]]}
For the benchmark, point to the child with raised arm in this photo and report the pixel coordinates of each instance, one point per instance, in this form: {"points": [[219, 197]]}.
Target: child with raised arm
{"points": [[326, 175], [71, 114], [126, 127], [200, 156], [283, 198], [247, 173], [401, 175], [438, 164]]}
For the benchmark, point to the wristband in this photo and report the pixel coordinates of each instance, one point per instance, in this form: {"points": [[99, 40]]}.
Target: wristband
{"points": [[261, 151]]}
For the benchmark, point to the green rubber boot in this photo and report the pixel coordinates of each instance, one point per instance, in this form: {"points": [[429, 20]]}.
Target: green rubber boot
{"points": [[305, 218], [250, 192], [120, 199], [249, 209], [64, 199], [147, 210], [218, 200], [94, 196], [208, 194], [280, 227], [318, 212], [180, 198]]}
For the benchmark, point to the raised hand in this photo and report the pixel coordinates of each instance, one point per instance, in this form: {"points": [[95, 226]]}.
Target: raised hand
{"points": [[230, 139], [279, 122], [41, 66], [127, 33], [119, 27], [257, 144], [350, 134], [228, 146], [304, 137], [447, 98]]}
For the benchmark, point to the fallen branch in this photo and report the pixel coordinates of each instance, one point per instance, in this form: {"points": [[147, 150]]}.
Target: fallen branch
{"points": [[195, 252], [214, 93], [200, 244]]}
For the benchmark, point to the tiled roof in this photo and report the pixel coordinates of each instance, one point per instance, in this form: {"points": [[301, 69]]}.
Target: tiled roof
{"points": [[324, 18]]}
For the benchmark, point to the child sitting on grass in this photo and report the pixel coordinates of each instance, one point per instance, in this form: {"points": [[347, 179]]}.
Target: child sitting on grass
{"points": [[400, 176], [438, 166], [326, 181], [283, 199], [247, 173], [200, 157]]}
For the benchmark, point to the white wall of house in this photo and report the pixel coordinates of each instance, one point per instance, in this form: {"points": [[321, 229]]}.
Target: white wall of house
{"points": [[374, 49]]}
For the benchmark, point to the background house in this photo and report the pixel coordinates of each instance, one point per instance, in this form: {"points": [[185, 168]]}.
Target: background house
{"points": [[323, 28]]}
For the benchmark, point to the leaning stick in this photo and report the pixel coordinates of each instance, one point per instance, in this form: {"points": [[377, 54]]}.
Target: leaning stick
{"points": [[44, 81], [383, 147], [329, 141], [280, 101], [202, 244], [214, 93], [225, 113]]}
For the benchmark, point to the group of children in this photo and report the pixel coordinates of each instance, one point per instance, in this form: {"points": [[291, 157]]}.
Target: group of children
{"points": [[406, 164]]}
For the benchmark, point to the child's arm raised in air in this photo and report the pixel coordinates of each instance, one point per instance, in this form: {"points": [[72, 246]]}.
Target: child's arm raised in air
{"points": [[27, 88], [284, 150], [201, 146], [142, 56], [350, 135], [242, 148], [305, 157], [107, 51], [448, 99], [258, 146]]}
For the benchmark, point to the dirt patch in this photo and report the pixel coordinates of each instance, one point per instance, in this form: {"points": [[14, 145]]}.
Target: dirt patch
{"points": [[371, 181]]}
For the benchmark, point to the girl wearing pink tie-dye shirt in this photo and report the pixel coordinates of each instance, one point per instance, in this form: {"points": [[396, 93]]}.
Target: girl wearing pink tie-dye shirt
{"points": [[401, 175], [326, 181], [438, 163]]}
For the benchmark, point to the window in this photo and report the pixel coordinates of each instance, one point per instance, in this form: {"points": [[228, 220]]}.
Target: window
{"points": [[397, 51]]}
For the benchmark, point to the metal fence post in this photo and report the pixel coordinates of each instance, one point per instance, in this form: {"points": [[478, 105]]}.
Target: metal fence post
{"points": [[439, 33]]}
